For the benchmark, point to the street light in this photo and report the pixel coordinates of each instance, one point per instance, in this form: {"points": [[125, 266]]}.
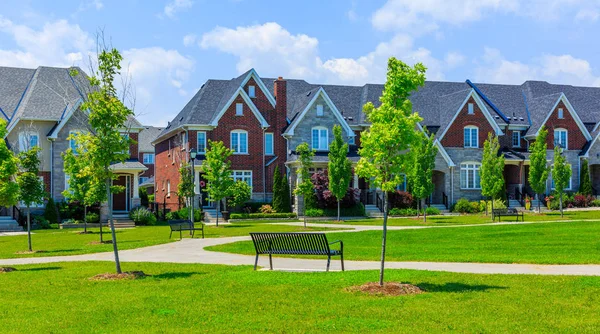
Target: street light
{"points": [[193, 158]]}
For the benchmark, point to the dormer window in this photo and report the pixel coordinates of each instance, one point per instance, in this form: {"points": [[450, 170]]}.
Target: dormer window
{"points": [[516, 139], [470, 109], [319, 110], [251, 91], [239, 109], [561, 114]]}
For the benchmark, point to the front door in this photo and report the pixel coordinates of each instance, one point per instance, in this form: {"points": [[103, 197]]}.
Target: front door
{"points": [[203, 193], [121, 200]]}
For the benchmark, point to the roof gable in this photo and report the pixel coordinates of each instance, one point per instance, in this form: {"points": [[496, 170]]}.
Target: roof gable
{"points": [[571, 111], [240, 92], [252, 74]]}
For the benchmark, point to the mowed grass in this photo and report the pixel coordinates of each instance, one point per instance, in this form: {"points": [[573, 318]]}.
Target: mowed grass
{"points": [[467, 219], [70, 242], [219, 299], [544, 243]]}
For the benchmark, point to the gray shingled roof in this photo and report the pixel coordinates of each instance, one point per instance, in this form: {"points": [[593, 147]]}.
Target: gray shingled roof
{"points": [[13, 82], [146, 138], [128, 165]]}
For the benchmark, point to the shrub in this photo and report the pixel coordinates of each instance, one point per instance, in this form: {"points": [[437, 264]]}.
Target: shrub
{"points": [[314, 213], [50, 212], [262, 215], [266, 209], [240, 194], [324, 198], [595, 202], [142, 216], [432, 211], [464, 206], [498, 204], [93, 218], [41, 222], [151, 198], [582, 201], [407, 212], [143, 193], [400, 199], [253, 207], [172, 215]]}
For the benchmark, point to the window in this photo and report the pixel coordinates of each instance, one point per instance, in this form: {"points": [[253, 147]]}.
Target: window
{"points": [[201, 142], [239, 109], [183, 140], [471, 136], [402, 186], [149, 158], [319, 110], [251, 91], [352, 141], [469, 176], [73, 142], [268, 144], [126, 137], [168, 188], [239, 142], [320, 139], [561, 114], [143, 179], [67, 178], [516, 139], [570, 186], [470, 109], [560, 138], [28, 140], [242, 175]]}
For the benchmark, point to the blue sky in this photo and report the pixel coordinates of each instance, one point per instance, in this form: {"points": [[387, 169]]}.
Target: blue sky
{"points": [[172, 47]]}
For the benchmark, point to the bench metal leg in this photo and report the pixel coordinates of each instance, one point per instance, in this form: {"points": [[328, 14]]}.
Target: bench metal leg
{"points": [[171, 234], [256, 262], [342, 255], [271, 261], [328, 262], [180, 236], [202, 232], [192, 233]]}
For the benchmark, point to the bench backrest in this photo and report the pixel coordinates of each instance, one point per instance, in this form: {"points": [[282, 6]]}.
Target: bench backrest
{"points": [[499, 211], [178, 224], [290, 243]]}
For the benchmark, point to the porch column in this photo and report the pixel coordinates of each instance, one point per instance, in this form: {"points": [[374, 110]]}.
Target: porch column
{"points": [[136, 185], [355, 183], [521, 176], [196, 182]]}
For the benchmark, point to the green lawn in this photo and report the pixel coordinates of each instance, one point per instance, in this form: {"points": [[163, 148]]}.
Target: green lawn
{"points": [[548, 243], [69, 242], [59, 298], [467, 219]]}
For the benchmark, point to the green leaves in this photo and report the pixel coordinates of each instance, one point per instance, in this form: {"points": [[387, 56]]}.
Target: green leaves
{"points": [[538, 164], [339, 167], [420, 172], [305, 155], [217, 171], [561, 171], [492, 168], [185, 189], [240, 192], [85, 185], [31, 188], [9, 189]]}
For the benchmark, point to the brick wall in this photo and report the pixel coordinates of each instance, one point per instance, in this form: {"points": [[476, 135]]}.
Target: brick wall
{"points": [[133, 147], [167, 169], [150, 171], [454, 137], [46, 176], [576, 139], [506, 140]]}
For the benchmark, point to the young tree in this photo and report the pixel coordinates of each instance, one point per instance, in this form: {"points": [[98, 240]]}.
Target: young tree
{"points": [[287, 207], [9, 188], [339, 167], [492, 169], [185, 189], [561, 174], [239, 193], [278, 189], [30, 186], [304, 187], [383, 156], [217, 172], [107, 116], [420, 173], [538, 164], [85, 186], [585, 183]]}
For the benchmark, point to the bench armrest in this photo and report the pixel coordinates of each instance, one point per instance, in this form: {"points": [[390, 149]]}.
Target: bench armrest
{"points": [[340, 242]]}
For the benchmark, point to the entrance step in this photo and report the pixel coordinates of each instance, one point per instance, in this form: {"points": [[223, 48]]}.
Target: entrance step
{"points": [[440, 207], [373, 211], [7, 224]]}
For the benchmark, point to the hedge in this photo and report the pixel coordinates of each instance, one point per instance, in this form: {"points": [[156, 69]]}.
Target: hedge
{"points": [[261, 215]]}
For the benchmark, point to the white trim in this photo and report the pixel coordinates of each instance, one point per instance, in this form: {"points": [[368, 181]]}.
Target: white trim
{"points": [[336, 112], [238, 132], [242, 92], [65, 119], [272, 143], [512, 139], [198, 142], [260, 84], [571, 111], [471, 128], [441, 148], [483, 108], [478, 169], [243, 172], [587, 153], [566, 146], [319, 129]]}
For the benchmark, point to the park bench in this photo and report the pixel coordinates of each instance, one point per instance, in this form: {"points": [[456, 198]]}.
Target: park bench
{"points": [[295, 244], [181, 225], [509, 212]]}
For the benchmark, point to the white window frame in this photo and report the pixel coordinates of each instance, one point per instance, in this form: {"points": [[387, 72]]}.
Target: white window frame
{"points": [[471, 128], [269, 149], [552, 187], [320, 146], [73, 141], [128, 146], [144, 155], [251, 91], [168, 188], [143, 179], [558, 131], [238, 141], [319, 110], [470, 108], [352, 141], [469, 181], [242, 175], [239, 109], [203, 142], [28, 135], [518, 138], [561, 113]]}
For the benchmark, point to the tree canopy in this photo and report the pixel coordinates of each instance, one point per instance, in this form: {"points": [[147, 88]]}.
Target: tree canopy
{"points": [[9, 188], [492, 168], [339, 167], [217, 172], [420, 173]]}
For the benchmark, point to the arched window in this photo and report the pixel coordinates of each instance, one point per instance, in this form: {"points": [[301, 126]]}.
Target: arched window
{"points": [[471, 134], [320, 138], [239, 141], [469, 175], [561, 137]]}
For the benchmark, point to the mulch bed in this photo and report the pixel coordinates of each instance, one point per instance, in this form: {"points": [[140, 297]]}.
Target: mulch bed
{"points": [[7, 269], [388, 289], [32, 252], [128, 275], [101, 243], [84, 232]]}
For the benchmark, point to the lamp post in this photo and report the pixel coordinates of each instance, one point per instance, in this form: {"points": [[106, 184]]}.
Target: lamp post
{"points": [[193, 158]]}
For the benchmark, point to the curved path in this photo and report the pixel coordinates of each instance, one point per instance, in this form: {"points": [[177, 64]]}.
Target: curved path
{"points": [[192, 251]]}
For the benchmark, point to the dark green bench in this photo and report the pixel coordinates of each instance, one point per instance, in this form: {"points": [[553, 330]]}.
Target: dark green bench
{"points": [[509, 212], [180, 225]]}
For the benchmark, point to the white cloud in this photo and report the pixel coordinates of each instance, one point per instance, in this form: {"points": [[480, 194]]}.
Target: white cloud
{"points": [[175, 6], [564, 69], [454, 59], [273, 50], [591, 15], [189, 39]]}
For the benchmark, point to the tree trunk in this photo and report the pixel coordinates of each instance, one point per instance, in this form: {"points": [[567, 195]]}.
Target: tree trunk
{"points": [[218, 207], [384, 237], [29, 229], [424, 211], [418, 208], [84, 218], [539, 207], [492, 208], [338, 203], [561, 206], [304, 210], [112, 228]]}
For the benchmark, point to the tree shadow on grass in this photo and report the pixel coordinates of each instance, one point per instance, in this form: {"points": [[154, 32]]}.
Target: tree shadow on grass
{"points": [[235, 226], [41, 269], [457, 287], [171, 275]]}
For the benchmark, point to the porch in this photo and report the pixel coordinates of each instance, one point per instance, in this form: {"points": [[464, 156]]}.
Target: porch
{"points": [[127, 177]]}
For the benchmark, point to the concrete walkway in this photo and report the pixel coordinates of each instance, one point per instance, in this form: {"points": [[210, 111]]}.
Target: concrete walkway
{"points": [[192, 251]]}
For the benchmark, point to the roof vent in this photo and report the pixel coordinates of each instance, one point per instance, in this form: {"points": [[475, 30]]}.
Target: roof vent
{"points": [[350, 118], [308, 94], [521, 119], [497, 117], [181, 119]]}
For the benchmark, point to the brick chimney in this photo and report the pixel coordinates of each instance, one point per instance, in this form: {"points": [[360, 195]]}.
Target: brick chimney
{"points": [[280, 89]]}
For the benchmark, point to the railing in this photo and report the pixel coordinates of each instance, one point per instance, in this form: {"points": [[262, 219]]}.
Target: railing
{"points": [[445, 200], [16, 214], [379, 201]]}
